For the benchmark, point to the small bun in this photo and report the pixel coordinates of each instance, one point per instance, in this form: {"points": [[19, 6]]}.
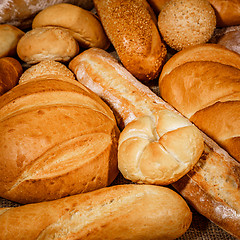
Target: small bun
{"points": [[186, 23], [9, 37], [47, 43]]}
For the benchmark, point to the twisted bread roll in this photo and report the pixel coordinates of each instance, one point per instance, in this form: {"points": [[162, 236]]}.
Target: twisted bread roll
{"points": [[57, 137], [10, 72], [158, 146], [108, 213], [207, 91], [132, 28]]}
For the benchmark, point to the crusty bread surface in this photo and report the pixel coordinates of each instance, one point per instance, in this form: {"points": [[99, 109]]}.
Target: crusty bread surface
{"points": [[131, 27], [109, 213], [10, 72], [9, 37], [47, 43], [157, 145], [208, 95], [82, 24], [57, 139], [20, 13]]}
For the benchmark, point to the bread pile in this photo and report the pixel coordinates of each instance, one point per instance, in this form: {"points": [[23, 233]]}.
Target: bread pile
{"points": [[77, 110]]}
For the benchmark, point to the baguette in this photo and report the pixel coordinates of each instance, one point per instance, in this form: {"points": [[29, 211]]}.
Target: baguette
{"points": [[157, 145], [57, 137], [109, 213], [212, 186], [131, 26], [208, 95]]}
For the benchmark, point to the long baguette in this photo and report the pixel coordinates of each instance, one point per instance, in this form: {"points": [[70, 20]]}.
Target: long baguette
{"points": [[212, 186], [109, 213]]}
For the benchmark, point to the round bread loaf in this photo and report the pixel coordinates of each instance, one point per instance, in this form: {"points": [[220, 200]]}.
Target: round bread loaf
{"points": [[186, 23], [10, 72], [9, 37], [57, 138], [20, 13], [82, 24], [47, 43]]}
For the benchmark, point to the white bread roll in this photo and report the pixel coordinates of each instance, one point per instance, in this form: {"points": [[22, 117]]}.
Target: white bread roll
{"points": [[206, 89], [131, 27], [9, 37], [82, 24], [47, 43], [57, 137], [157, 145], [20, 13], [119, 212]]}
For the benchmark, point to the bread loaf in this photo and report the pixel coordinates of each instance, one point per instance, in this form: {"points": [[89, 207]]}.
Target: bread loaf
{"points": [[207, 91], [157, 145], [20, 13], [212, 186], [82, 24], [131, 27], [57, 137], [227, 11], [109, 213], [47, 43], [10, 72], [9, 37]]}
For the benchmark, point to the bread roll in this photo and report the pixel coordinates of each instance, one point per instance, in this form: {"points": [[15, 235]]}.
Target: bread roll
{"points": [[227, 12], [131, 27], [10, 72], [83, 25], [57, 138], [9, 37], [186, 23], [47, 43], [157, 145], [207, 91], [118, 212], [20, 13]]}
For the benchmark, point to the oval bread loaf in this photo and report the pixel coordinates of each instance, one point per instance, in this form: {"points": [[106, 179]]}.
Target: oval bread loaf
{"points": [[203, 83], [82, 24], [131, 27], [47, 43], [10, 72], [119, 212], [57, 138]]}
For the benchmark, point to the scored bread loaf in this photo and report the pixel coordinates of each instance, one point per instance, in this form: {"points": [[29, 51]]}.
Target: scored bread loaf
{"points": [[203, 83], [82, 24], [157, 145], [212, 186], [131, 26], [10, 72], [20, 13], [57, 137], [124, 211]]}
